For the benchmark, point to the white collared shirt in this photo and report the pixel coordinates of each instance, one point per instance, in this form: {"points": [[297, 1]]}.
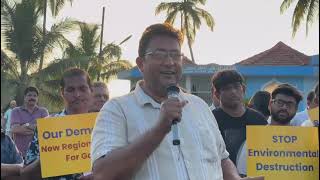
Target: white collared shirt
{"points": [[123, 119], [300, 118]]}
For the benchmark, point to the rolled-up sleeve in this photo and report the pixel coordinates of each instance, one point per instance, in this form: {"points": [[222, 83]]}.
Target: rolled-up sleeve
{"points": [[110, 130]]}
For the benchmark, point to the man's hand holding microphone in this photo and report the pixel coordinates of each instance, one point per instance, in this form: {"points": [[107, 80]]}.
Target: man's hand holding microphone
{"points": [[171, 113]]}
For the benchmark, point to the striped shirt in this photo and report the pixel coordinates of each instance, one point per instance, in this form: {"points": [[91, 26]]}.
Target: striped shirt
{"points": [[201, 150]]}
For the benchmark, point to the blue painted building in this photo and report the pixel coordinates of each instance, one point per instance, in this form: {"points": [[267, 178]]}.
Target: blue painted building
{"points": [[279, 64]]}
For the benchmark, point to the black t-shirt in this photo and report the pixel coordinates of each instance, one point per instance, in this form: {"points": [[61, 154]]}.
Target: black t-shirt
{"points": [[233, 129]]}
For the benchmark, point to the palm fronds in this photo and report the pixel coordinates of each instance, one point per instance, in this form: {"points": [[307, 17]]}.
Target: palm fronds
{"points": [[304, 10]]}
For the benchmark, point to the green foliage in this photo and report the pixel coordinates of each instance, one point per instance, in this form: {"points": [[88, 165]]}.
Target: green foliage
{"points": [[24, 43], [54, 5], [191, 17], [105, 65], [304, 10]]}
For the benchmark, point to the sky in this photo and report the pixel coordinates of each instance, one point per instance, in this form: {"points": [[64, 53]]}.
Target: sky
{"points": [[242, 29]]}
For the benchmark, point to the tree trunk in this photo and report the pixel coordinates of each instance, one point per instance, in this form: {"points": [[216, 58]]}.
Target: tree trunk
{"points": [[181, 28], [191, 51], [101, 40], [23, 83], [188, 38], [99, 71], [43, 32]]}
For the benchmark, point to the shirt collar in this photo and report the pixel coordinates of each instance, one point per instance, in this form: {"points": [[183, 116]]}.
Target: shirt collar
{"points": [[143, 98], [25, 109]]}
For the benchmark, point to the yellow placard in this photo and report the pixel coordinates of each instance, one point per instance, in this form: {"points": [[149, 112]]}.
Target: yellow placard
{"points": [[64, 144], [314, 115], [283, 152]]}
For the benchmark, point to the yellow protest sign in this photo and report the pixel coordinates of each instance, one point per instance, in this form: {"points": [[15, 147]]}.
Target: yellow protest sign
{"points": [[64, 144], [283, 152], [314, 115]]}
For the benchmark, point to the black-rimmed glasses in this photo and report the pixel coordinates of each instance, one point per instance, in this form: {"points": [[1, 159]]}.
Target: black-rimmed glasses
{"points": [[164, 55]]}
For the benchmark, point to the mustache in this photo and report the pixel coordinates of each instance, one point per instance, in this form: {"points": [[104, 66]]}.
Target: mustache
{"points": [[32, 100], [79, 101], [283, 111]]}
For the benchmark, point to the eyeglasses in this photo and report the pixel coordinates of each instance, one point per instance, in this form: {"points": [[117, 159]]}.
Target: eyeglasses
{"points": [[164, 55], [281, 103]]}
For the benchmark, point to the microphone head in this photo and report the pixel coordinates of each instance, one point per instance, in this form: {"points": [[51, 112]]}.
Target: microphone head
{"points": [[172, 89]]}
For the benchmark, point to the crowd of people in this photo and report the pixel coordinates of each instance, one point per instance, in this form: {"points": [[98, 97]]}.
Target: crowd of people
{"points": [[132, 138]]}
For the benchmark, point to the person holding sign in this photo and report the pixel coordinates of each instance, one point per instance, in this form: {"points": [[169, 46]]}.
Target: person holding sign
{"points": [[75, 87], [283, 107], [132, 138]]}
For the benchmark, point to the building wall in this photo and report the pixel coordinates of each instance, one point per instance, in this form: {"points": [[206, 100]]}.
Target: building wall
{"points": [[255, 84], [201, 85]]}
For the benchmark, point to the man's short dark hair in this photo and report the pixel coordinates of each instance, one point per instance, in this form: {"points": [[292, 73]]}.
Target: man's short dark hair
{"points": [[99, 84], [164, 29], [72, 72], [288, 90], [316, 90], [225, 77], [31, 89], [260, 102], [311, 96]]}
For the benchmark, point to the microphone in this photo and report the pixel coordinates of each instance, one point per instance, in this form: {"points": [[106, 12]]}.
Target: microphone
{"points": [[173, 92]]}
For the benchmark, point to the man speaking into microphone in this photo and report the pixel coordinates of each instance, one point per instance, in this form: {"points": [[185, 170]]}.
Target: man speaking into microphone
{"points": [[133, 136]]}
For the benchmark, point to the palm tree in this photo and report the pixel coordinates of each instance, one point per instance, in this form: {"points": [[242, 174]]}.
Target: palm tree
{"points": [[9, 76], [83, 55], [191, 17], [24, 42], [103, 66], [55, 7], [308, 9]]}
